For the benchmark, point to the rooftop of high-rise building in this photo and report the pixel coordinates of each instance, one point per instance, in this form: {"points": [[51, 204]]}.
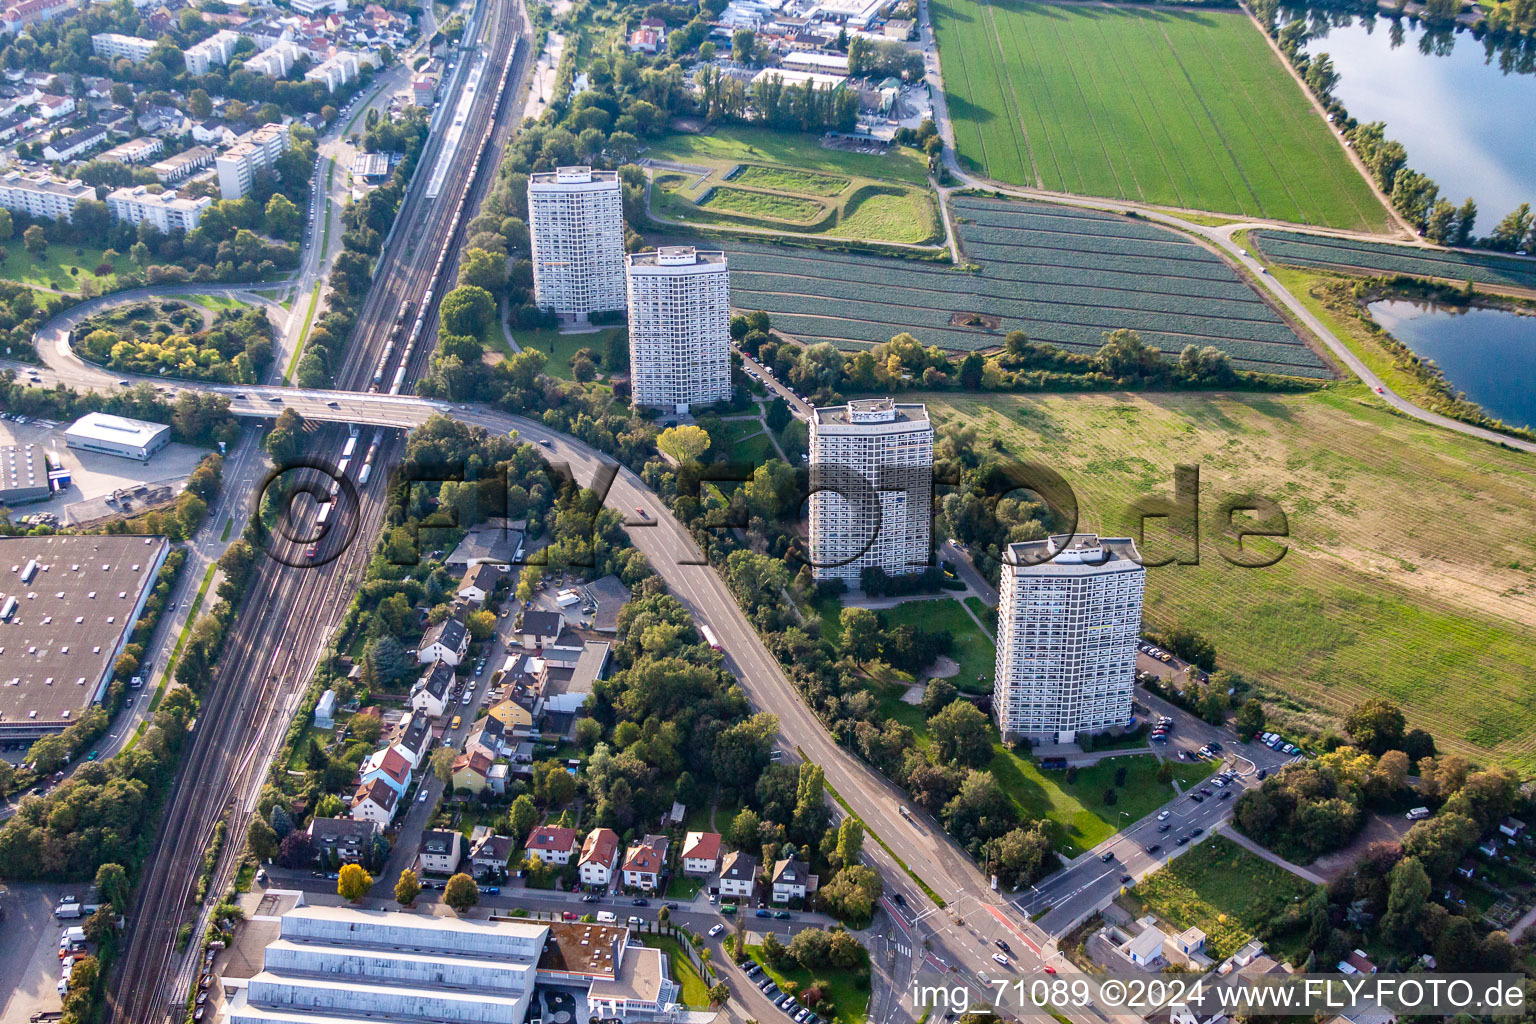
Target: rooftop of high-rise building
{"points": [[580, 175], [676, 256], [1064, 553], [870, 410]]}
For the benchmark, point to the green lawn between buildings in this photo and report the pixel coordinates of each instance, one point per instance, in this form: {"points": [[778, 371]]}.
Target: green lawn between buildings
{"points": [[695, 991], [849, 995], [1226, 892], [60, 267], [792, 150], [1177, 108], [560, 348], [974, 650]]}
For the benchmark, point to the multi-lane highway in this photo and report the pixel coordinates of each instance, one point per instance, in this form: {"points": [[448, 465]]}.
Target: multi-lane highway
{"points": [[290, 612]]}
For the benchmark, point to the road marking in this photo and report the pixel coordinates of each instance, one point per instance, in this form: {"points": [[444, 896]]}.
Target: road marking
{"points": [[1003, 920]]}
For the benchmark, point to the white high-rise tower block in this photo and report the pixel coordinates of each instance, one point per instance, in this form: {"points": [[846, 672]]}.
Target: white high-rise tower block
{"points": [[576, 230], [1068, 623], [886, 520], [679, 328]]}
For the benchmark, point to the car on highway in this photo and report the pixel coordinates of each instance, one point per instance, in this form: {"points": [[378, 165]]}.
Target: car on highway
{"points": [[1125, 879], [1197, 798], [639, 902], [1181, 840], [1163, 816], [1226, 794], [1048, 969], [643, 513], [124, 383], [1000, 959], [1196, 831], [1154, 847], [1206, 790], [670, 906], [1164, 827], [589, 898], [491, 890], [782, 915], [1107, 856], [545, 442], [1000, 944], [763, 913]]}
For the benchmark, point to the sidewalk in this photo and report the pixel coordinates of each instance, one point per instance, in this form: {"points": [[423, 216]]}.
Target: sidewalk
{"points": [[1274, 858]]}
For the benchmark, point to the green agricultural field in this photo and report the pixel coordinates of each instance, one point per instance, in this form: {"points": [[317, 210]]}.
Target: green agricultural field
{"points": [[778, 182], [1299, 250], [1409, 569], [791, 150], [1061, 275], [1226, 892], [786, 179], [764, 205], [1185, 109]]}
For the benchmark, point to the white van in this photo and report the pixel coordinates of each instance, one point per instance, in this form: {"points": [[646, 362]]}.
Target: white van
{"points": [[606, 917], [1417, 813]]}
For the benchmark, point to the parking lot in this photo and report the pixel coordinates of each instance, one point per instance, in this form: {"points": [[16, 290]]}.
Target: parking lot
{"points": [[29, 950], [96, 477]]}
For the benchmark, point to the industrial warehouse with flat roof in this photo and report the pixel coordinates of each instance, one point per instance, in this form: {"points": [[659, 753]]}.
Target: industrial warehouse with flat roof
{"points": [[67, 607]]}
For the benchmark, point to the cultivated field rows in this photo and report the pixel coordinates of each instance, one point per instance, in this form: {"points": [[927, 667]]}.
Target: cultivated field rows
{"points": [[1348, 254]]}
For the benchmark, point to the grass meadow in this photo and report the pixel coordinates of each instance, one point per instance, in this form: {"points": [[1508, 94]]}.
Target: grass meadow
{"points": [[1226, 892], [1185, 109], [1409, 569]]}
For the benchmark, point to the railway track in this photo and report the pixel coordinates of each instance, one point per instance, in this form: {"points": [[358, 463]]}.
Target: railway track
{"points": [[291, 610]]}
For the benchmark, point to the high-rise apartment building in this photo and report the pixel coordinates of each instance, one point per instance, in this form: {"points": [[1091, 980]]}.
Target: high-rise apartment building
{"points": [[252, 153], [576, 226], [872, 489], [679, 327], [1068, 620]]}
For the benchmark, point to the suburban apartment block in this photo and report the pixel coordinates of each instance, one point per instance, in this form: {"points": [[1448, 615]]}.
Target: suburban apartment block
{"points": [[213, 51], [113, 45], [166, 211], [252, 153], [679, 327], [1068, 619], [576, 224], [18, 16], [872, 461], [41, 197]]}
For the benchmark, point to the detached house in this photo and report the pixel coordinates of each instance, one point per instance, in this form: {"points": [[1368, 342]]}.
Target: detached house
{"points": [[645, 862], [701, 853], [738, 876], [472, 771], [446, 641], [376, 802], [440, 851], [792, 880], [341, 840], [480, 582], [489, 854], [389, 766], [599, 854], [540, 628], [551, 845], [430, 694]]}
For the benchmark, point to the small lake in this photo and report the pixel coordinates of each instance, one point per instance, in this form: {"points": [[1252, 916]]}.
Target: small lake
{"points": [[1465, 122], [1489, 354]]}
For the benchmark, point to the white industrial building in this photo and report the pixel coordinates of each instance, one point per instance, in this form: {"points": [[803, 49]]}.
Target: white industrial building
{"points": [[252, 153], [1068, 619], [42, 198], [872, 489], [117, 435], [576, 224], [679, 327], [214, 51], [165, 210], [342, 965]]}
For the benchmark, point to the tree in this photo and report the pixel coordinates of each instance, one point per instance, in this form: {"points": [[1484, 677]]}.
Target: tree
{"points": [[743, 45], [684, 443], [353, 883], [407, 888], [484, 269], [850, 840], [1250, 720], [859, 636], [296, 851], [719, 993], [261, 839], [810, 809], [745, 829], [442, 764], [1405, 900], [1509, 234], [282, 821], [1020, 855], [522, 816], [281, 217], [35, 240], [811, 946], [937, 695], [461, 893], [7, 225], [961, 735], [1165, 772], [850, 896], [1376, 726], [113, 887], [467, 309]]}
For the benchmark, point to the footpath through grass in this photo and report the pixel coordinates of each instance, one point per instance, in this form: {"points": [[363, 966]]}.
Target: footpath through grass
{"points": [[1226, 892], [974, 651], [1187, 109]]}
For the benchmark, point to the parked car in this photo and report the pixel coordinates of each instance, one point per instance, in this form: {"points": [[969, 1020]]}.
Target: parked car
{"points": [[716, 930]]}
